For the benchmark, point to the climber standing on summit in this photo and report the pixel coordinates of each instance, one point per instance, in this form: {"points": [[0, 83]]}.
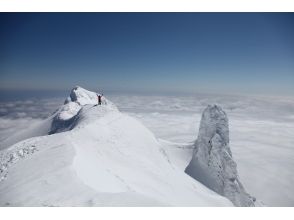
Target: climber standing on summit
{"points": [[99, 99]]}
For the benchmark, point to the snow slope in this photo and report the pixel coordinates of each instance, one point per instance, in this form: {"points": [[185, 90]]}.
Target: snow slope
{"points": [[95, 156], [261, 136], [261, 132]]}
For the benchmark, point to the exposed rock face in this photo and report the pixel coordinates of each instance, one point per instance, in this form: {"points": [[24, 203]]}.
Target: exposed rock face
{"points": [[212, 163]]}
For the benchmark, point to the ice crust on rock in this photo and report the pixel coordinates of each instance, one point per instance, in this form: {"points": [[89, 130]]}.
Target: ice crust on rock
{"points": [[212, 163]]}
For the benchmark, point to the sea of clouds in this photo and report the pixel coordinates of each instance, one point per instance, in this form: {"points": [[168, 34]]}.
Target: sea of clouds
{"points": [[261, 131], [18, 115]]}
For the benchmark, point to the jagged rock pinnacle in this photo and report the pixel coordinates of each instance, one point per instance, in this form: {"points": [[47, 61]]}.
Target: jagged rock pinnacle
{"points": [[212, 163]]}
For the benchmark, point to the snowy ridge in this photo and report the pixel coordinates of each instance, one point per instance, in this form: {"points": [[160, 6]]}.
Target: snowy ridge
{"points": [[97, 156], [79, 100], [82, 96], [63, 119], [212, 163]]}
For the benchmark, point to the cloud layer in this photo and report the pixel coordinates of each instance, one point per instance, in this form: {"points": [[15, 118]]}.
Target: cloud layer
{"points": [[261, 132], [18, 115]]}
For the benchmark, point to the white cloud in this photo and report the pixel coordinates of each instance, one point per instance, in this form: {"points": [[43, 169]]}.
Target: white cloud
{"points": [[18, 115]]}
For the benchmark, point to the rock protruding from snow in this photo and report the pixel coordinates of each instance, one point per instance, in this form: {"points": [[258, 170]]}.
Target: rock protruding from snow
{"points": [[212, 163]]}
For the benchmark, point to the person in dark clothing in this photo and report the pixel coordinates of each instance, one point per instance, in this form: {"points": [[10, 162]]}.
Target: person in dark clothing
{"points": [[99, 99]]}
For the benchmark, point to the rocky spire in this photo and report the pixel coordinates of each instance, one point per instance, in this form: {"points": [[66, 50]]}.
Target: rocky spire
{"points": [[212, 163]]}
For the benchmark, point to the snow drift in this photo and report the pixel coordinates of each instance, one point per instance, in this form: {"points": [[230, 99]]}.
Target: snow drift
{"points": [[94, 156], [212, 163]]}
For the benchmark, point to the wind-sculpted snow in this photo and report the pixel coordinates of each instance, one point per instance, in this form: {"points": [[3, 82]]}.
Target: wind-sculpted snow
{"points": [[261, 132], [75, 107], [13, 155], [102, 157], [83, 96], [212, 163], [63, 119]]}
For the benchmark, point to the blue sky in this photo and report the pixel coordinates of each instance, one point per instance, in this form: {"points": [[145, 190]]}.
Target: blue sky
{"points": [[149, 52]]}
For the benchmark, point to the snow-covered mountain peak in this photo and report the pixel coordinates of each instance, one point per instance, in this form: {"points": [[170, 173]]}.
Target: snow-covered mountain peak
{"points": [[214, 121], [212, 163], [80, 107], [96, 156], [82, 96]]}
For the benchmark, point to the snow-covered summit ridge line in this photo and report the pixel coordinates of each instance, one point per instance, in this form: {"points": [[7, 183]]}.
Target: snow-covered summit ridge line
{"points": [[212, 163], [83, 97], [79, 100], [66, 117]]}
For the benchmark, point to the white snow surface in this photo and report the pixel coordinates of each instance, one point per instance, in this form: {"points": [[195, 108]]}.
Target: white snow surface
{"points": [[99, 157], [261, 132], [61, 120], [68, 111], [83, 96], [261, 136]]}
